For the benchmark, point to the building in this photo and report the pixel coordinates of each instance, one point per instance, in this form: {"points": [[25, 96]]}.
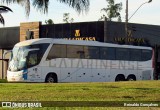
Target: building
{"points": [[103, 31]]}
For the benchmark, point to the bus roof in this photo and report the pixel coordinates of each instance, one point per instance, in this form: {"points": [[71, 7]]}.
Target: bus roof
{"points": [[34, 41], [75, 42]]}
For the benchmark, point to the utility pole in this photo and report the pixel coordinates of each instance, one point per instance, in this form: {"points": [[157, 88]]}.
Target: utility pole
{"points": [[126, 23]]}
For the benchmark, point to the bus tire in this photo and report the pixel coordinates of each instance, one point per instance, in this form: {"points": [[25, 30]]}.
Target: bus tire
{"points": [[131, 78], [51, 78], [120, 77]]}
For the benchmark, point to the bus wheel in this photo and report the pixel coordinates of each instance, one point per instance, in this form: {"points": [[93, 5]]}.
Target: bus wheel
{"points": [[120, 77], [131, 78], [51, 78]]}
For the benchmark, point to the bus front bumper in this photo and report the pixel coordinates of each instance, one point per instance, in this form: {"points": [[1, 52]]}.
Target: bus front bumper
{"points": [[15, 76]]}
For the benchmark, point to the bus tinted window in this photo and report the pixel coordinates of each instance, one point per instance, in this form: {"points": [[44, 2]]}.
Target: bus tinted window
{"points": [[91, 52], [135, 55], [107, 53], [42, 49], [146, 55], [74, 51], [32, 59], [111, 54], [103, 53], [122, 54], [57, 51]]}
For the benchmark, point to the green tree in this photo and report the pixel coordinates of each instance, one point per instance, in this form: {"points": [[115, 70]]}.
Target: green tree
{"points": [[66, 18], [42, 5], [49, 21], [3, 9], [113, 10]]}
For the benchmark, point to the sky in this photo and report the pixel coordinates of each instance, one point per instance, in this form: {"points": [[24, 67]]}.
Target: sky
{"points": [[147, 14]]}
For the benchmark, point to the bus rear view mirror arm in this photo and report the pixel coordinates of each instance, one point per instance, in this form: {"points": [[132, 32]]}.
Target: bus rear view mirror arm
{"points": [[6, 52]]}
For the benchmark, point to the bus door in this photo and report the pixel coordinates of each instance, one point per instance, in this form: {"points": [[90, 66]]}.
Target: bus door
{"points": [[34, 70]]}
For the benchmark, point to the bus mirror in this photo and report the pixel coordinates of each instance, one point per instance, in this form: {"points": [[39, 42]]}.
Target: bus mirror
{"points": [[6, 52]]}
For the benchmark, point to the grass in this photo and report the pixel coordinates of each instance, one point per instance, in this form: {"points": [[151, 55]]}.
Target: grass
{"points": [[3, 81], [84, 108], [108, 91]]}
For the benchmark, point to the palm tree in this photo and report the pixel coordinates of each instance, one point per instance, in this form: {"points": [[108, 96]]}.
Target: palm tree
{"points": [[112, 10], [42, 5], [3, 9]]}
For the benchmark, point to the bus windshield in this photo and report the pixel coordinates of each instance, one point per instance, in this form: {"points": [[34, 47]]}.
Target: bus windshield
{"points": [[18, 58], [26, 56]]}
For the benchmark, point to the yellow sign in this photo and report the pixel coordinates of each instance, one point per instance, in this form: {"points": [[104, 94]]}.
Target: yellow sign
{"points": [[122, 39], [78, 37], [77, 33], [82, 38]]}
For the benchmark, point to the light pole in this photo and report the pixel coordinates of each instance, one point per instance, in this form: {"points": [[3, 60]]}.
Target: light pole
{"points": [[126, 23]]}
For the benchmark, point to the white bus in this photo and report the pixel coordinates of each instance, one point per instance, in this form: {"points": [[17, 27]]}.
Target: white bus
{"points": [[60, 60]]}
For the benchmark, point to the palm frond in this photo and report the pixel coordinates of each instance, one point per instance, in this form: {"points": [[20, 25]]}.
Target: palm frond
{"points": [[12, 1], [24, 3], [2, 19], [41, 5], [79, 5], [4, 9], [27, 8]]}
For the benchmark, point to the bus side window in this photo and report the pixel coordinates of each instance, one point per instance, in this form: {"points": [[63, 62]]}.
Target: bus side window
{"points": [[122, 54], [75, 51], [32, 59], [103, 53], [81, 54], [107, 53], [57, 51], [91, 52], [146, 55], [135, 55], [111, 53]]}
